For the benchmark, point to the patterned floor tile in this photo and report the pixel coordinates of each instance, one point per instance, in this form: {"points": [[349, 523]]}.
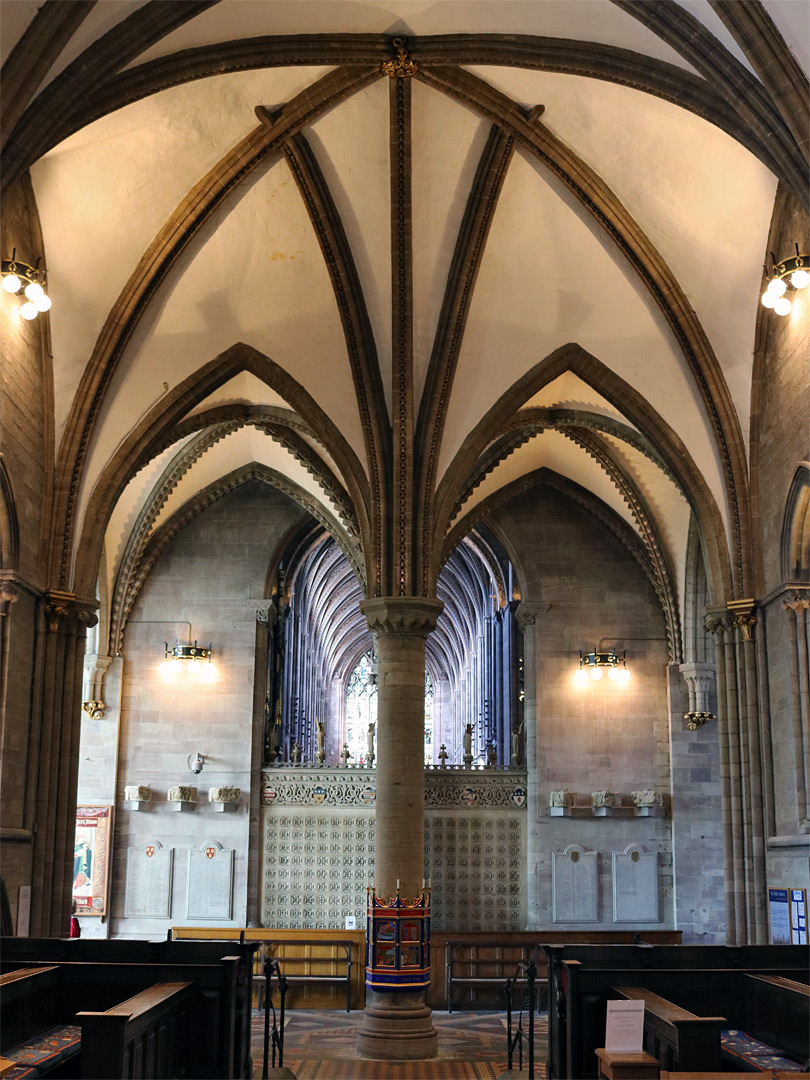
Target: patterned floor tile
{"points": [[320, 1045]]}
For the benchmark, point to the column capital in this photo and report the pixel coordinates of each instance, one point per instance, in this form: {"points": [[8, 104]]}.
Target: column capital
{"points": [[402, 614], [743, 614]]}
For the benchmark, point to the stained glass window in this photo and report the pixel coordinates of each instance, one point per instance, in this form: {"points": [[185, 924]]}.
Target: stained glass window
{"points": [[361, 708]]}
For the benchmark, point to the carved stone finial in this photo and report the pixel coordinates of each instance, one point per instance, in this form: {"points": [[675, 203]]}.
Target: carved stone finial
{"points": [[401, 68]]}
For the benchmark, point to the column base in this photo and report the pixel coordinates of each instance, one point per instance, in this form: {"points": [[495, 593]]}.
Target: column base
{"points": [[396, 1027]]}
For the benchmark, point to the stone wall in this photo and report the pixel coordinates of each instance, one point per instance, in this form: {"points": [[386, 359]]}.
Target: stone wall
{"points": [[26, 454], [203, 586], [780, 440], [584, 585]]}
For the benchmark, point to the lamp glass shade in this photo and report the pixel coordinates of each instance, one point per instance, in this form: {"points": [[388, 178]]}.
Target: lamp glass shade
{"points": [[581, 677], [614, 674], [768, 299], [781, 307], [595, 673], [28, 311], [11, 283], [800, 279], [208, 673], [33, 291], [167, 670], [622, 676], [776, 286], [42, 303]]}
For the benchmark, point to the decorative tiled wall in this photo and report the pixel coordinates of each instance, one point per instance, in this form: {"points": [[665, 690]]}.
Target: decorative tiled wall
{"points": [[317, 865], [318, 861], [476, 865]]}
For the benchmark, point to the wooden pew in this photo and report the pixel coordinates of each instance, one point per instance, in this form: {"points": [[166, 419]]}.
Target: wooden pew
{"points": [[317, 995], [491, 996], [473, 966], [309, 964], [34, 1031], [675, 1036], [144, 1036], [98, 974], [706, 980]]}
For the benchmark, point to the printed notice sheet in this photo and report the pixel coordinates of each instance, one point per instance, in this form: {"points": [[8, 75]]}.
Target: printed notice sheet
{"points": [[625, 1027]]}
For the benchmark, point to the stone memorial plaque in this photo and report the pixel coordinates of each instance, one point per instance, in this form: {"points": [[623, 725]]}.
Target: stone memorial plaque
{"points": [[149, 881], [635, 885], [210, 882], [575, 885]]}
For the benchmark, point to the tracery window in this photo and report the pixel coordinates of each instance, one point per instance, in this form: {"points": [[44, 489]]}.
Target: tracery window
{"points": [[361, 708], [428, 718]]}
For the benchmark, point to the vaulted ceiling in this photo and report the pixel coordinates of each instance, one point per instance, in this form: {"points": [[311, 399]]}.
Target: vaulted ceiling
{"points": [[534, 247]]}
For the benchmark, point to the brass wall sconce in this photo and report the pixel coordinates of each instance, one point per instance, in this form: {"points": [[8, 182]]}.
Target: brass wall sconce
{"points": [[594, 664], [18, 275], [195, 659], [789, 273]]}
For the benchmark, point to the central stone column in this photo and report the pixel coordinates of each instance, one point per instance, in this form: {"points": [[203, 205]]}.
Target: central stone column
{"points": [[397, 1024]]}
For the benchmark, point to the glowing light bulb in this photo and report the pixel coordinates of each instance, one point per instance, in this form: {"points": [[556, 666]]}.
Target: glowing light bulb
{"points": [[29, 311], [595, 673], [193, 666], [768, 299], [581, 677], [175, 665], [167, 670], [781, 307], [622, 676], [800, 279], [11, 283], [42, 303], [614, 673], [34, 291], [776, 286], [208, 673]]}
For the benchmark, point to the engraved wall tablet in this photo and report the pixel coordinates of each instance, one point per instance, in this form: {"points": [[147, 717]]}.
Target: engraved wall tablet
{"points": [[149, 881], [575, 885], [635, 885], [210, 882]]}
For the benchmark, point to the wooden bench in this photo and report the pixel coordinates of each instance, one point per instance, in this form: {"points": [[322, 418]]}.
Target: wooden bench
{"points": [[97, 975], [492, 996], [477, 965], [314, 995], [34, 1035], [309, 963], [675, 1036], [707, 980], [144, 1036]]}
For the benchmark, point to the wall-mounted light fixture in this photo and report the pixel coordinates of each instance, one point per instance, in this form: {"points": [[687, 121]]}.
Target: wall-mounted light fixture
{"points": [[20, 275], [789, 273], [195, 659], [594, 664]]}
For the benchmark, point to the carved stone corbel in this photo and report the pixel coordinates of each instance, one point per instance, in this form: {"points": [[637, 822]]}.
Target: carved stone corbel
{"points": [[8, 596]]}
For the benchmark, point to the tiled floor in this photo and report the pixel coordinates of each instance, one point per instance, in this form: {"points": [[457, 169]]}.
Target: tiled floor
{"points": [[320, 1045]]}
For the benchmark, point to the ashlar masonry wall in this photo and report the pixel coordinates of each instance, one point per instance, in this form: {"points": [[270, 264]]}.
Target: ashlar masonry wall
{"points": [[203, 586], [582, 585]]}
